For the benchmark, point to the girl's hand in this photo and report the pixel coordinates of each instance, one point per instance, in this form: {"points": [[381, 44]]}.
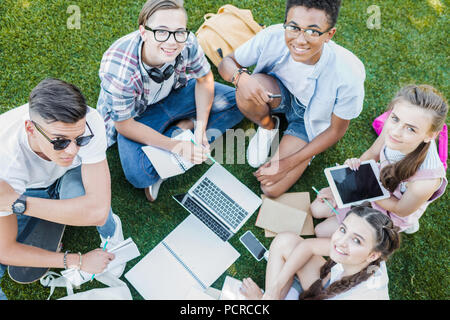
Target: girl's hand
{"points": [[327, 194], [353, 163], [271, 294]]}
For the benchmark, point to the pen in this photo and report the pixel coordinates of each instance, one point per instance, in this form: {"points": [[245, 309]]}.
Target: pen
{"points": [[104, 248], [208, 155], [326, 201], [274, 96]]}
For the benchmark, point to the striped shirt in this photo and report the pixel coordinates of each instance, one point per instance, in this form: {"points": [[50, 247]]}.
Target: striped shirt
{"points": [[126, 88]]}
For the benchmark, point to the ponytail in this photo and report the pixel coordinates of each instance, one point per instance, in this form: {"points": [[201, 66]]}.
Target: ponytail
{"points": [[393, 174]]}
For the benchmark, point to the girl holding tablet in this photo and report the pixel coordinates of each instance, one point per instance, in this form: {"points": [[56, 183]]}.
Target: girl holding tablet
{"points": [[356, 268], [410, 167]]}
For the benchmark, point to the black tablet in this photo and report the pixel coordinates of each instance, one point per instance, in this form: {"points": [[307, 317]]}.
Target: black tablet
{"points": [[354, 187]]}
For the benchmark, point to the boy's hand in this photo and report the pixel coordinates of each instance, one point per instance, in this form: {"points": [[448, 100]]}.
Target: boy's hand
{"points": [[192, 153], [272, 172], [250, 89], [201, 138], [96, 261]]}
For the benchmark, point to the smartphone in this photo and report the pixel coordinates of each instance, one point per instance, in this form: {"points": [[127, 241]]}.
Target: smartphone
{"points": [[273, 96], [253, 245]]}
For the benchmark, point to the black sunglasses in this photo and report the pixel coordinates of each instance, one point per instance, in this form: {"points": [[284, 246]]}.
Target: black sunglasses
{"points": [[61, 144]]}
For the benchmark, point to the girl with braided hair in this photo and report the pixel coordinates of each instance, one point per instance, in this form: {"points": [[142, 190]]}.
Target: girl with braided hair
{"points": [[355, 269], [410, 166]]}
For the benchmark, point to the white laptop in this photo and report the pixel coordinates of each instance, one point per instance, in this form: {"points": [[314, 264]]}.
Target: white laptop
{"points": [[196, 253], [191, 256], [220, 201]]}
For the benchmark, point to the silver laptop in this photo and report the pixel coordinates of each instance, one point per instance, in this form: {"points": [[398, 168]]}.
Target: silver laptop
{"points": [[220, 201]]}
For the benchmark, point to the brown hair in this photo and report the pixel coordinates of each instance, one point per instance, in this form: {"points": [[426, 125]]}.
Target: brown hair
{"points": [[387, 241], [428, 98], [56, 100], [151, 6]]}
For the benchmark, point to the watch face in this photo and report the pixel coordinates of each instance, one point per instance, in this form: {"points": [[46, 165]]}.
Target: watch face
{"points": [[19, 207]]}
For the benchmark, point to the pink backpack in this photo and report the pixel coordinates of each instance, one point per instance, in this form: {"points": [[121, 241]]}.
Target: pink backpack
{"points": [[378, 124]]}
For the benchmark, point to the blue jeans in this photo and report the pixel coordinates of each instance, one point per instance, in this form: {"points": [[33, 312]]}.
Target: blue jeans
{"points": [[69, 186], [180, 104], [294, 112]]}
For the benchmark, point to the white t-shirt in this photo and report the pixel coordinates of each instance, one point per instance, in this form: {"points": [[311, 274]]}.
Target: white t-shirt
{"points": [[294, 75], [159, 91], [23, 169], [374, 288]]}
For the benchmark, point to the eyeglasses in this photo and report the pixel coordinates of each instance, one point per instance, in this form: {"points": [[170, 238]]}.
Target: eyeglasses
{"points": [[61, 144], [162, 35], [309, 34]]}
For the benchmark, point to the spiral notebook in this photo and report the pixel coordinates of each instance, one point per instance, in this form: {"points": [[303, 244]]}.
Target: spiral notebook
{"points": [[166, 163], [191, 256]]}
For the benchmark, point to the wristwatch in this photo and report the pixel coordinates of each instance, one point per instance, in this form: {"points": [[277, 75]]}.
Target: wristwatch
{"points": [[20, 205]]}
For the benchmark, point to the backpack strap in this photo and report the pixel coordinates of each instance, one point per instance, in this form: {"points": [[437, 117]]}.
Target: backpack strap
{"points": [[443, 145]]}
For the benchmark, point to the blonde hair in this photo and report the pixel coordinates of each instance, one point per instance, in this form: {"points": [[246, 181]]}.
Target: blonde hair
{"points": [[425, 97], [151, 6]]}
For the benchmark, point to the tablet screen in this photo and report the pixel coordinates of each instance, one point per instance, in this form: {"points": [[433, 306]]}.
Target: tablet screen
{"points": [[356, 185]]}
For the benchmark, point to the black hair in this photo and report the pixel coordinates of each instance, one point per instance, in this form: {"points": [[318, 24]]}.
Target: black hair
{"points": [[331, 8], [56, 100]]}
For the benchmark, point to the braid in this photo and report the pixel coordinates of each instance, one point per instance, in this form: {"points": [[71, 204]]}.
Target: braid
{"points": [[316, 288], [393, 174], [387, 241], [317, 292]]}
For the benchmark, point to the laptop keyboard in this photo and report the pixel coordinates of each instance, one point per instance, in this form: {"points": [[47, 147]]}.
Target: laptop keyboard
{"points": [[218, 229], [222, 204]]}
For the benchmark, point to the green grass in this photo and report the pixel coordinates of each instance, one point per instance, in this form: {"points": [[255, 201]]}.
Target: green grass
{"points": [[411, 46]]}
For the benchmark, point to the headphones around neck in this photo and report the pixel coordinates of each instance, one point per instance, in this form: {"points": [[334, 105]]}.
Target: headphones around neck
{"points": [[159, 76]]}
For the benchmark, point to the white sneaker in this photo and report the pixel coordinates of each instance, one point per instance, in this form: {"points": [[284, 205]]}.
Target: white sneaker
{"points": [[114, 241], [412, 229], [152, 192], [259, 146]]}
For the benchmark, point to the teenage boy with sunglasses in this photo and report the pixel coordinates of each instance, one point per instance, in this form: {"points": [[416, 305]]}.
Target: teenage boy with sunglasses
{"points": [[157, 80], [321, 85], [53, 167]]}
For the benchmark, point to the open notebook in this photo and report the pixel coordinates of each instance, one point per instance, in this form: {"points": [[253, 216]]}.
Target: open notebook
{"points": [[166, 163], [190, 256]]}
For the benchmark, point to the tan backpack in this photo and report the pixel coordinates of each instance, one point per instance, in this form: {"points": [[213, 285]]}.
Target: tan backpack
{"points": [[224, 32]]}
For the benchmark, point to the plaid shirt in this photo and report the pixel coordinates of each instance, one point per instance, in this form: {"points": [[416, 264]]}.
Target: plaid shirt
{"points": [[125, 84]]}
